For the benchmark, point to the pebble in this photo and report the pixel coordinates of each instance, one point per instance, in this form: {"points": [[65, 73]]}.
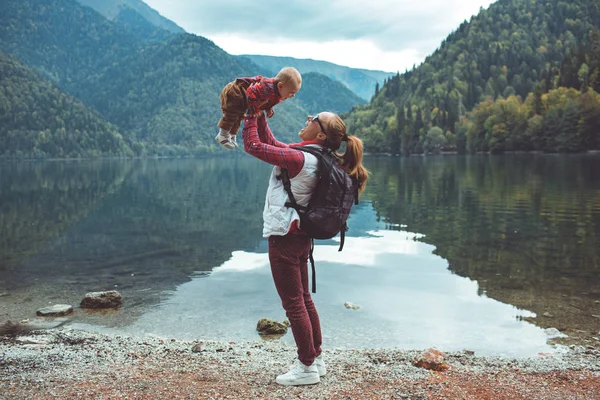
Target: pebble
{"points": [[57, 310], [548, 315]]}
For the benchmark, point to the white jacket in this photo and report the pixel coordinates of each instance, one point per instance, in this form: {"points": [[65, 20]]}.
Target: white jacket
{"points": [[277, 218]]}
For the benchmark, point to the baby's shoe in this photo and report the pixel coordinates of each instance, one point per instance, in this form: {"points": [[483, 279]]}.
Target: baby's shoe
{"points": [[224, 139], [233, 140]]}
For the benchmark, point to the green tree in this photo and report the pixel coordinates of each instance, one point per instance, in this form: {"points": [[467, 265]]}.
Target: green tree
{"points": [[434, 140], [583, 75]]}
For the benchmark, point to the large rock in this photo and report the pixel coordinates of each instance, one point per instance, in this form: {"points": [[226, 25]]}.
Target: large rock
{"points": [[431, 359], [110, 299], [270, 327], [57, 310]]}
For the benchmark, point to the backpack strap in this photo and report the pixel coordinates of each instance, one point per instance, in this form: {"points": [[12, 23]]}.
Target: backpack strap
{"points": [[312, 265], [343, 236], [287, 186]]}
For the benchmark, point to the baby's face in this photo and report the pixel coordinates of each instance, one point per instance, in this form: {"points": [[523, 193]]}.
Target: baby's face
{"points": [[288, 90]]}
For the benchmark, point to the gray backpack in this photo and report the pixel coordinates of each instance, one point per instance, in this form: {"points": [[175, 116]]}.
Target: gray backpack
{"points": [[330, 204]]}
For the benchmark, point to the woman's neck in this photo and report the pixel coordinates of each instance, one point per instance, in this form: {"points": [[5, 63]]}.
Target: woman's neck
{"points": [[305, 142]]}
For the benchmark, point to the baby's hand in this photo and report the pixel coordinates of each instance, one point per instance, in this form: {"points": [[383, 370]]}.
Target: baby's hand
{"points": [[270, 112]]}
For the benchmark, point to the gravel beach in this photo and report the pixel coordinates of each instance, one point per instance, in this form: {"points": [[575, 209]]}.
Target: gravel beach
{"points": [[67, 363]]}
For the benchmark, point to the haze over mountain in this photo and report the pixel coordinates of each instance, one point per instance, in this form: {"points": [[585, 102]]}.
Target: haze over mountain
{"points": [[360, 81]]}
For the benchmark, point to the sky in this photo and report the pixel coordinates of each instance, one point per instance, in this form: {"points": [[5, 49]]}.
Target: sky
{"points": [[386, 35]]}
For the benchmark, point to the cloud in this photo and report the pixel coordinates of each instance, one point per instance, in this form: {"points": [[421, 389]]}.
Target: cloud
{"points": [[389, 26], [353, 53]]}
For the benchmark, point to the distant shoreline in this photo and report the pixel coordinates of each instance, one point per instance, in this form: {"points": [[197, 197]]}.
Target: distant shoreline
{"points": [[208, 156], [456, 153]]}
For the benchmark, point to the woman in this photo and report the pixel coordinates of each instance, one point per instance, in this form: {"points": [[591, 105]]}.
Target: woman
{"points": [[288, 245]]}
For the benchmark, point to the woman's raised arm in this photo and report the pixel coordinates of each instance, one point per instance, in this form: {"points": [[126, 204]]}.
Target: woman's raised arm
{"points": [[266, 148]]}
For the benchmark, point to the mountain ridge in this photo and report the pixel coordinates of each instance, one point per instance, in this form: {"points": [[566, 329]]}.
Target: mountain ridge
{"points": [[112, 8], [360, 81]]}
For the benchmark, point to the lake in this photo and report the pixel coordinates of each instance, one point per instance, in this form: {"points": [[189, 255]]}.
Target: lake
{"points": [[486, 253]]}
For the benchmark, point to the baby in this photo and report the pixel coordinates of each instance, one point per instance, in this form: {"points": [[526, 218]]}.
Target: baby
{"points": [[252, 96]]}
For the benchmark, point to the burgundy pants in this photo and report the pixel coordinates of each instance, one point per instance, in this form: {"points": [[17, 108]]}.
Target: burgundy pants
{"points": [[288, 256]]}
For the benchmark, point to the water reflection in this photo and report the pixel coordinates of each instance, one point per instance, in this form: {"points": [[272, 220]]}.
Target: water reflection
{"points": [[39, 201], [407, 295], [140, 226], [526, 227], [181, 240]]}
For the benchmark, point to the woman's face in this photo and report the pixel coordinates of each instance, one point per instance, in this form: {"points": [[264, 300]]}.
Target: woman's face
{"points": [[314, 127]]}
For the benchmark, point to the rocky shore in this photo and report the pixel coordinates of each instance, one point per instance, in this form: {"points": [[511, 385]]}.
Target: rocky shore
{"points": [[67, 363]]}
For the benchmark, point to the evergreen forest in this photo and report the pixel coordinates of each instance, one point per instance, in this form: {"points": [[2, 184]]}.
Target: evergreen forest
{"points": [[37, 120], [522, 75]]}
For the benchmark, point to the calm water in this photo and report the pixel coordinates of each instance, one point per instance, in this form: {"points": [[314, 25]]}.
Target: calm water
{"points": [[452, 252]]}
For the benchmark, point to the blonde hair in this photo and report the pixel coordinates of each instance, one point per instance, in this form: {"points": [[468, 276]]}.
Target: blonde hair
{"points": [[351, 159], [289, 74]]}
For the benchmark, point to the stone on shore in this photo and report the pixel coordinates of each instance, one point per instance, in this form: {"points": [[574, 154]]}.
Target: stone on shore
{"points": [[110, 299], [268, 326], [198, 348], [57, 310], [351, 306], [431, 359]]}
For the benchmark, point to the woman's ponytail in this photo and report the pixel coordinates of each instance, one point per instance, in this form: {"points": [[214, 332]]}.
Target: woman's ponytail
{"points": [[352, 161]]}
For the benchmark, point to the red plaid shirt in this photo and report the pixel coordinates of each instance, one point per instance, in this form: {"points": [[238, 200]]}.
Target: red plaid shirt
{"points": [[262, 93], [260, 142]]}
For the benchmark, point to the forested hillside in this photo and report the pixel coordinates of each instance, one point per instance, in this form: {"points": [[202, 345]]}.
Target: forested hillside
{"points": [[505, 53], [360, 81], [163, 94], [38, 120], [320, 93], [64, 41]]}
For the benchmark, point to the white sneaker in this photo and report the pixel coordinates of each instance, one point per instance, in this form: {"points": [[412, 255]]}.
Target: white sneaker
{"points": [[321, 367], [224, 139], [300, 374], [233, 140]]}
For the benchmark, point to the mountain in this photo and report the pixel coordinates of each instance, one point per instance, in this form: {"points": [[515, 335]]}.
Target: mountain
{"points": [[37, 120], [161, 94], [508, 50], [111, 9], [360, 81], [319, 93], [135, 24]]}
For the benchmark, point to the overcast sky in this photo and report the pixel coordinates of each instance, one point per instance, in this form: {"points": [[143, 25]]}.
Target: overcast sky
{"points": [[388, 35]]}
